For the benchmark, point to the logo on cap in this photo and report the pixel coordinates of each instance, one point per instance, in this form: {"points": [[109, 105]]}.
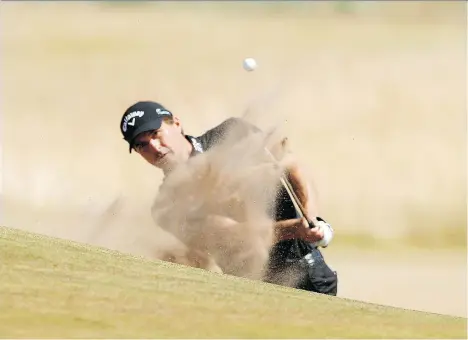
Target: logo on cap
{"points": [[132, 116], [162, 112]]}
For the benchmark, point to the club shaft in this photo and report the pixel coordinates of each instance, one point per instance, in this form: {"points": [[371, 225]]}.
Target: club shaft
{"points": [[292, 195]]}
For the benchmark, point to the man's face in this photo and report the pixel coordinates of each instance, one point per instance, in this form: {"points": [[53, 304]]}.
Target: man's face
{"points": [[165, 147]]}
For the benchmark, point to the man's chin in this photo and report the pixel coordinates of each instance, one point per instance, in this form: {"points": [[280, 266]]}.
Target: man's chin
{"points": [[160, 164], [164, 164]]}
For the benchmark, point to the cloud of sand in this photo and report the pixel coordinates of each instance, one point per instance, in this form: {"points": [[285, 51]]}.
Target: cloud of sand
{"points": [[219, 203]]}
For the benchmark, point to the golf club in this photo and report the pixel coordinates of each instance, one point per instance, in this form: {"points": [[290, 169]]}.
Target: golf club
{"points": [[287, 185]]}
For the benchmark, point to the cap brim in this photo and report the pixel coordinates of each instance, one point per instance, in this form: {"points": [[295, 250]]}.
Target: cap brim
{"points": [[153, 125]]}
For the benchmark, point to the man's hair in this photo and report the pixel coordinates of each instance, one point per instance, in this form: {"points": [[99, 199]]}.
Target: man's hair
{"points": [[170, 121]]}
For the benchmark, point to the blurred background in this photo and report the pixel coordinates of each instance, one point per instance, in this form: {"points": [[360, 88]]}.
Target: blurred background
{"points": [[373, 96]]}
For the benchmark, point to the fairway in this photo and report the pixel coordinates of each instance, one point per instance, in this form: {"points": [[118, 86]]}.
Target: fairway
{"points": [[60, 288]]}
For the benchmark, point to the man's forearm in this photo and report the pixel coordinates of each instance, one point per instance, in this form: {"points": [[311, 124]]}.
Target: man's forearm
{"points": [[301, 189], [286, 230]]}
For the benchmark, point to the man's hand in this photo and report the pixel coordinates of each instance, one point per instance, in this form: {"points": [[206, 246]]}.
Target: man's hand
{"points": [[309, 234], [297, 229]]}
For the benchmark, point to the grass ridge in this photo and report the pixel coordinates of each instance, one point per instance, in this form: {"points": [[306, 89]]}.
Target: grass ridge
{"points": [[70, 289]]}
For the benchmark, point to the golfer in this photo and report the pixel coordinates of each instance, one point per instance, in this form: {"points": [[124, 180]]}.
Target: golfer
{"points": [[157, 135]]}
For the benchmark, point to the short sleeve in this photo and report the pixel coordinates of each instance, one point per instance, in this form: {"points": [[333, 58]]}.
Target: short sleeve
{"points": [[236, 127]]}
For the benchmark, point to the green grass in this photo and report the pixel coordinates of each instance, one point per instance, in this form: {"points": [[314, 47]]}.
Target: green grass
{"points": [[56, 288]]}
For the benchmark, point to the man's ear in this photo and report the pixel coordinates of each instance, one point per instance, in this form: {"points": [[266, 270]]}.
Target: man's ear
{"points": [[177, 123]]}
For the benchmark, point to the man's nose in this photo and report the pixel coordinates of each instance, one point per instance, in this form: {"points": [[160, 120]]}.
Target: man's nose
{"points": [[155, 144]]}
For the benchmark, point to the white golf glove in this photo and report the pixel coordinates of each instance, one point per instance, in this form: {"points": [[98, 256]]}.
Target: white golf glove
{"points": [[327, 233]]}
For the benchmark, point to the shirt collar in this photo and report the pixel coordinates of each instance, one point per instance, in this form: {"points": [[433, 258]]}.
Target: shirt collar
{"points": [[197, 146]]}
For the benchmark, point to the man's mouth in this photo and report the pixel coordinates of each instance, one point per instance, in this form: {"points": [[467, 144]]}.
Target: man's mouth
{"points": [[160, 159]]}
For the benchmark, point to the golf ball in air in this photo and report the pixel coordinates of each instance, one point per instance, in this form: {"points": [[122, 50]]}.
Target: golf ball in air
{"points": [[249, 64]]}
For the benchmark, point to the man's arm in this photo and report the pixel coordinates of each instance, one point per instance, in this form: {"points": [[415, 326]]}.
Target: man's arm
{"points": [[295, 175], [322, 234], [294, 228], [301, 187], [299, 228]]}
